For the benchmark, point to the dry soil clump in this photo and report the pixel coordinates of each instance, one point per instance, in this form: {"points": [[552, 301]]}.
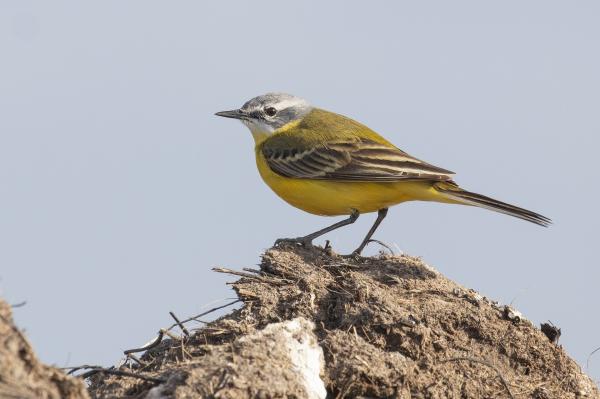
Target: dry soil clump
{"points": [[315, 324], [22, 376]]}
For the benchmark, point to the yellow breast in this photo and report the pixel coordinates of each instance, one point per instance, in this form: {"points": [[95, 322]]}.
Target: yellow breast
{"points": [[330, 198]]}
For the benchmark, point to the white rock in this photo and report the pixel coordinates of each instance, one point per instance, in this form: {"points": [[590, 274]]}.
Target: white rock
{"points": [[306, 356]]}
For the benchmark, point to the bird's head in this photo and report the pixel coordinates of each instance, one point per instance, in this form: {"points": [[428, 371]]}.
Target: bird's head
{"points": [[264, 114]]}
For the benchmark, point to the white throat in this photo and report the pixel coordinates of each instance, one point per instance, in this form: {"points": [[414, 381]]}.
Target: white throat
{"points": [[260, 130]]}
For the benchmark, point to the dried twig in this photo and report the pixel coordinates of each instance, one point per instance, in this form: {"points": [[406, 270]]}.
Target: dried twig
{"points": [[77, 368], [485, 363], [252, 276], [151, 345], [162, 332], [236, 273], [248, 269], [341, 264], [135, 359], [383, 245], [172, 336], [120, 373], [195, 318], [587, 362], [185, 331]]}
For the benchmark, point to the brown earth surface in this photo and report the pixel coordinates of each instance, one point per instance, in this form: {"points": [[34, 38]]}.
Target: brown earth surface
{"points": [[313, 324], [389, 327], [22, 376]]}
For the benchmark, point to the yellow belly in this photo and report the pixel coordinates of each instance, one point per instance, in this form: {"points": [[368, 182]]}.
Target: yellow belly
{"points": [[330, 198]]}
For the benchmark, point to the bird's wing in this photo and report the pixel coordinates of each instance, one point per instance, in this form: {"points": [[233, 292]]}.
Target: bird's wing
{"points": [[349, 160]]}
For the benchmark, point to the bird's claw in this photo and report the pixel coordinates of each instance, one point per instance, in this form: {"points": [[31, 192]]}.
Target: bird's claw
{"points": [[299, 241], [355, 255]]}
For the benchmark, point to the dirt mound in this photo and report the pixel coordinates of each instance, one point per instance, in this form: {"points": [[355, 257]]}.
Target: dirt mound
{"points": [[22, 376], [389, 326]]}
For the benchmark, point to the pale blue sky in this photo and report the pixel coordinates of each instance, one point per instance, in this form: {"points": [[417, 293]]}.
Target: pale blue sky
{"points": [[119, 189]]}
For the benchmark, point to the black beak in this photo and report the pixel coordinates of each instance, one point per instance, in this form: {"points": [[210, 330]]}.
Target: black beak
{"points": [[235, 114]]}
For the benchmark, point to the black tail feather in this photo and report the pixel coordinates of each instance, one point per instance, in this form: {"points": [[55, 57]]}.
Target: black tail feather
{"points": [[482, 201]]}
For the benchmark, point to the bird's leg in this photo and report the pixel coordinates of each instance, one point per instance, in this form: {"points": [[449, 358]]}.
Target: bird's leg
{"points": [[380, 216], [306, 241]]}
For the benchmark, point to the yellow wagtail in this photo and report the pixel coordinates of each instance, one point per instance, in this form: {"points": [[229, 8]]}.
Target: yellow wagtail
{"points": [[328, 164]]}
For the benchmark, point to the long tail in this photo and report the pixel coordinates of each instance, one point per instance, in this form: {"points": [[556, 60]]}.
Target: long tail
{"points": [[465, 197]]}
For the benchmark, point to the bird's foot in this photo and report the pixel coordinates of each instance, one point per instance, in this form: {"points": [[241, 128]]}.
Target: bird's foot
{"points": [[355, 255], [299, 241]]}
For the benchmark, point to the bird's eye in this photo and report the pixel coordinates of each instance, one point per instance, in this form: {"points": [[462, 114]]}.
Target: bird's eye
{"points": [[270, 111]]}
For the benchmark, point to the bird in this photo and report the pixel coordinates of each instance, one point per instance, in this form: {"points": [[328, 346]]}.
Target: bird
{"points": [[328, 164]]}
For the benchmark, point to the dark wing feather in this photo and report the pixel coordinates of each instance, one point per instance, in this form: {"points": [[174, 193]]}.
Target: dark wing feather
{"points": [[359, 160]]}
